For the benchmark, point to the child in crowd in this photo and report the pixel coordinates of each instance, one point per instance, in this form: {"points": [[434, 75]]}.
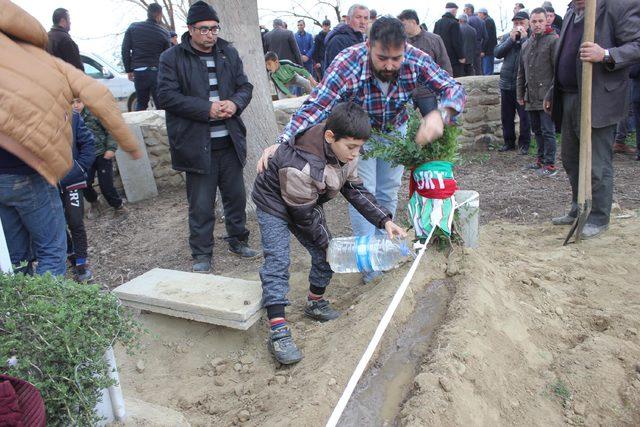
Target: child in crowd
{"points": [[285, 75], [71, 189], [105, 152], [299, 179]]}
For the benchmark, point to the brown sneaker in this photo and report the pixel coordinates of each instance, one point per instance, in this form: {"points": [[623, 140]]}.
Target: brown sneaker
{"points": [[622, 148]]}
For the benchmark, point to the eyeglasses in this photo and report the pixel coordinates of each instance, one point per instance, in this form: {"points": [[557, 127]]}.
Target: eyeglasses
{"points": [[204, 30]]}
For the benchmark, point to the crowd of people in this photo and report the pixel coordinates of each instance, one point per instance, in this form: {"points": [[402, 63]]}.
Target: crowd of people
{"points": [[367, 73]]}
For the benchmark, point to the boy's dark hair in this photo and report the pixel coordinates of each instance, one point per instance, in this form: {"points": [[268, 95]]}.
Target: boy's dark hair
{"points": [[407, 14], [349, 120], [270, 56], [58, 14], [538, 10], [550, 9], [388, 31], [153, 10]]}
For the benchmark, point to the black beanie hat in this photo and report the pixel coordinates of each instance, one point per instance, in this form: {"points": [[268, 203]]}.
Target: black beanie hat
{"points": [[201, 11]]}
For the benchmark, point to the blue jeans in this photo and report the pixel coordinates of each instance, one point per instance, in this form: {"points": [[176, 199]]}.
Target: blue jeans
{"points": [[33, 222], [487, 64], [383, 181], [545, 132]]}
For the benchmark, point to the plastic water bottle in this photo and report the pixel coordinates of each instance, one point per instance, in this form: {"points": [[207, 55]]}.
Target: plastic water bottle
{"points": [[366, 253]]}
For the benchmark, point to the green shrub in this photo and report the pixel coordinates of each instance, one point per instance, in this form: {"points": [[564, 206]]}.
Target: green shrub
{"points": [[55, 332], [404, 151]]}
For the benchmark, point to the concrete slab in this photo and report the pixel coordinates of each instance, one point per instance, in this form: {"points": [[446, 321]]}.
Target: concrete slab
{"points": [[207, 298], [137, 175], [141, 413]]}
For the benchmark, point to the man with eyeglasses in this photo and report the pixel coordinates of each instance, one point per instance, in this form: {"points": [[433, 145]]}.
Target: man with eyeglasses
{"points": [[203, 89], [141, 48]]}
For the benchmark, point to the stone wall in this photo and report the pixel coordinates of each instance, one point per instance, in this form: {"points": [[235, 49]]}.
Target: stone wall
{"points": [[480, 121], [154, 132], [480, 125]]}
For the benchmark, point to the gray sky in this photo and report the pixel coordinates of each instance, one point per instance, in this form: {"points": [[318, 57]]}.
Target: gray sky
{"points": [[97, 25]]}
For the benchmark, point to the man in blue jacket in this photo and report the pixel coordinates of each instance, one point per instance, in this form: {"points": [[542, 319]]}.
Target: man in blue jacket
{"points": [[347, 34], [203, 89], [304, 41]]}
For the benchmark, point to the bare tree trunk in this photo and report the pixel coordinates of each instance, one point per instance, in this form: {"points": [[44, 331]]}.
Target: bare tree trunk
{"points": [[239, 22]]}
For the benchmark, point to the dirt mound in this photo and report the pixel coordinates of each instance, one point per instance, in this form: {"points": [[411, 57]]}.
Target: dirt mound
{"points": [[538, 334]]}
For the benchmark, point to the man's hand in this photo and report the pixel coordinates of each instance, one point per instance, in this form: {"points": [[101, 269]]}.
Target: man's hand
{"points": [[313, 82], [431, 128], [136, 154], [591, 52], [394, 230], [263, 162], [317, 66], [130, 76], [462, 60], [513, 34], [547, 106], [305, 58], [108, 155], [228, 108], [521, 102], [481, 54], [216, 110]]}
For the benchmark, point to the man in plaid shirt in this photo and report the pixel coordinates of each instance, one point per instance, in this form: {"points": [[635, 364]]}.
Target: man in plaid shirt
{"points": [[380, 75]]}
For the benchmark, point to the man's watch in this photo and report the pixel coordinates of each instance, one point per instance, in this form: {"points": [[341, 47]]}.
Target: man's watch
{"points": [[607, 57]]}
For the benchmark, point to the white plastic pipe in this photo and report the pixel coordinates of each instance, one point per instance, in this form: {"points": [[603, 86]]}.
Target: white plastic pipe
{"points": [[373, 344], [115, 392]]}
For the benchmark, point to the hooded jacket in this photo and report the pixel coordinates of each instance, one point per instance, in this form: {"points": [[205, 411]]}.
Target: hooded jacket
{"points": [[183, 92], [36, 91], [304, 175], [83, 150], [341, 37]]}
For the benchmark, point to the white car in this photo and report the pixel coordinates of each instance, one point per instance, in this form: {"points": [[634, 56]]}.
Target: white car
{"points": [[120, 86]]}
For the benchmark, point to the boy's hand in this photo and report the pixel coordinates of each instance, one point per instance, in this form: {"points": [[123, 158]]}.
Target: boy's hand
{"points": [[263, 162], [313, 82], [394, 230], [108, 155], [136, 154], [431, 128]]}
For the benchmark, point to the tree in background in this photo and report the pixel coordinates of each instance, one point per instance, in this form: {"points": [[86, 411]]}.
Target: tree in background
{"points": [[172, 10], [314, 11]]}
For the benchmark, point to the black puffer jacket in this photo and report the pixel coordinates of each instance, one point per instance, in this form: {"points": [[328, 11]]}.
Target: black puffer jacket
{"points": [[509, 51], [143, 43], [338, 39], [183, 92], [448, 28], [62, 46]]}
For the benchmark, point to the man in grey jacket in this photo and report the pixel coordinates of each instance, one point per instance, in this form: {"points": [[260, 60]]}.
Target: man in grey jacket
{"points": [[616, 48], [509, 49], [283, 43], [535, 75]]}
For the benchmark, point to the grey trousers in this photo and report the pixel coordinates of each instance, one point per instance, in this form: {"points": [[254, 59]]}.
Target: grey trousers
{"points": [[602, 160], [274, 273]]}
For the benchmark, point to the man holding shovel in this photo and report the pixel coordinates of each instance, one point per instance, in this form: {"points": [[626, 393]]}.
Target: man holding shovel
{"points": [[616, 47]]}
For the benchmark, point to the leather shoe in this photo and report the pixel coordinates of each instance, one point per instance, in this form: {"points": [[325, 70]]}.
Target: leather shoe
{"points": [[524, 150], [563, 220], [622, 148], [591, 230], [506, 147], [201, 265], [242, 249]]}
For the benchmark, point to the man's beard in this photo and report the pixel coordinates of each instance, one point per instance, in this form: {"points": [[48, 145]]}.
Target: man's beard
{"points": [[383, 75]]}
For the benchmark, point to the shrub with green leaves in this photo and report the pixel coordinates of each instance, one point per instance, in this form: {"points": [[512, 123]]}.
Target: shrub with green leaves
{"points": [[54, 333], [404, 151]]}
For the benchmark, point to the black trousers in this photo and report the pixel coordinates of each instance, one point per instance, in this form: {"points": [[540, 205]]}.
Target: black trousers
{"points": [[602, 160], [73, 204], [545, 132], [146, 83], [104, 169], [509, 107], [636, 114], [458, 70], [226, 174], [425, 104]]}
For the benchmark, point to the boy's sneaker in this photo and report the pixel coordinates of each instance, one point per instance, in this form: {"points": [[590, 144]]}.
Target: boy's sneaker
{"points": [[548, 171], [94, 210], [534, 166], [83, 273], [120, 210], [242, 249], [320, 310], [201, 265], [281, 345]]}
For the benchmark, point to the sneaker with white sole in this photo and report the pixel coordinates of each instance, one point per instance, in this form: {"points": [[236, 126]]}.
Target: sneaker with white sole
{"points": [[281, 345]]}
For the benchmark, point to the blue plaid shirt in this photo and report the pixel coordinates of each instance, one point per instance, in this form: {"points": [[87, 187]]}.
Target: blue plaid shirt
{"points": [[349, 78]]}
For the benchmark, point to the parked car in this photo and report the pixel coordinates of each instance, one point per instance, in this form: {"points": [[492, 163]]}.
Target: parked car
{"points": [[121, 87]]}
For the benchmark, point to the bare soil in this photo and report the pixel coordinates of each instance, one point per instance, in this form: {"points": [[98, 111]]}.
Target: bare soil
{"points": [[534, 334]]}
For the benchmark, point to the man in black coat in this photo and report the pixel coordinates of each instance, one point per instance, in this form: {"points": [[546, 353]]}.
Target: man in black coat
{"points": [[141, 48], [282, 42], [347, 34], [448, 29], [488, 60], [61, 44], [203, 88], [469, 38], [319, 49]]}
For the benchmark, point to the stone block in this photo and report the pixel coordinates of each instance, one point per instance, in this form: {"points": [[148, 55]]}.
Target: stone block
{"points": [[137, 176], [218, 300], [144, 413]]}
